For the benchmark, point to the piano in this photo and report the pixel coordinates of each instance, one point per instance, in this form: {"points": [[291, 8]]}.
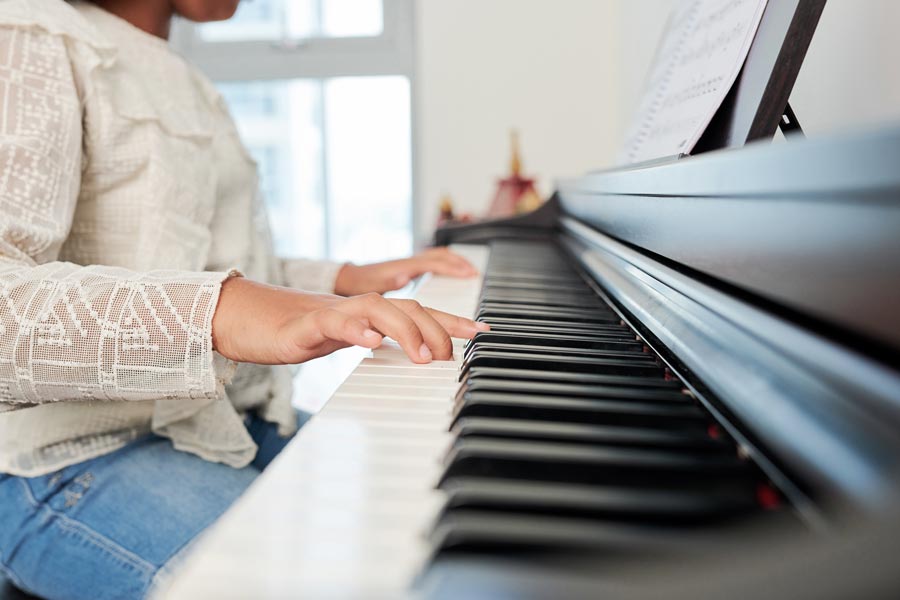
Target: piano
{"points": [[687, 361], [690, 389]]}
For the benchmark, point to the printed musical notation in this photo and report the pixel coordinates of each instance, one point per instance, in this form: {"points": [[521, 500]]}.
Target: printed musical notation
{"points": [[701, 53]]}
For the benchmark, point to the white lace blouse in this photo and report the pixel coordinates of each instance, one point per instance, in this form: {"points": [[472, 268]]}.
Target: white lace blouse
{"points": [[126, 198]]}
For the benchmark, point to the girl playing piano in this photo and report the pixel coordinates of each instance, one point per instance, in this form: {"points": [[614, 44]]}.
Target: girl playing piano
{"points": [[136, 272]]}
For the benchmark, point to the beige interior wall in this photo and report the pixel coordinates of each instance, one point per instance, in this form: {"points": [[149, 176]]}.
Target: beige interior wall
{"points": [[546, 67], [850, 78], [567, 72]]}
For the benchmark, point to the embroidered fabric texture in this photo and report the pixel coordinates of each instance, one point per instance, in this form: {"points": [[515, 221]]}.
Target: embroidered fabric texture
{"points": [[115, 152]]}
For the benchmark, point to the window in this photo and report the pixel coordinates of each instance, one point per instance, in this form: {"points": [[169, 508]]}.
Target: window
{"points": [[321, 92], [298, 19]]}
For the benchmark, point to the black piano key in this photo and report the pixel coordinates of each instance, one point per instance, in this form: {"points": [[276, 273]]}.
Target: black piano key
{"points": [[510, 296], [545, 301], [492, 533], [579, 410], [597, 465], [575, 286], [612, 366], [601, 341], [610, 333], [576, 390], [512, 291], [524, 304], [552, 326], [478, 373], [637, 353], [487, 312], [547, 277], [581, 433], [594, 502]]}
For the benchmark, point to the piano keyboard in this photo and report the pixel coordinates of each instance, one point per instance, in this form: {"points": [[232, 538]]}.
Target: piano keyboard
{"points": [[557, 433]]}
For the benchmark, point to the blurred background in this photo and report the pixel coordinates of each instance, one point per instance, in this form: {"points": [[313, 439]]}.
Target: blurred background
{"points": [[364, 114]]}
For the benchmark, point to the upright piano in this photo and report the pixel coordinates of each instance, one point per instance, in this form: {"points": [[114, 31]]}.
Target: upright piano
{"points": [[693, 361], [690, 389]]}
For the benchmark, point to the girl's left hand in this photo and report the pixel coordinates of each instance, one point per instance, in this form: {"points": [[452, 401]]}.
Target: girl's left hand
{"points": [[354, 280]]}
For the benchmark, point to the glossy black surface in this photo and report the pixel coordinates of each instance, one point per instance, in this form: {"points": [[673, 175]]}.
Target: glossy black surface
{"points": [[808, 225], [570, 434]]}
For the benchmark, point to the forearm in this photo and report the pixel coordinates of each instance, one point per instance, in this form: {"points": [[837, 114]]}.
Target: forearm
{"points": [[72, 333]]}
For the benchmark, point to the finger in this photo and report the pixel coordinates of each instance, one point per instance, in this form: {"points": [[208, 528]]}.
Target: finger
{"points": [[402, 279], [448, 267], [458, 327], [439, 263], [341, 327], [445, 254], [462, 262], [389, 320], [436, 251], [319, 334], [435, 335]]}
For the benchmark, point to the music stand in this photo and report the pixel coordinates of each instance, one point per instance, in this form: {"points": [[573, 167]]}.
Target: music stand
{"points": [[758, 102]]}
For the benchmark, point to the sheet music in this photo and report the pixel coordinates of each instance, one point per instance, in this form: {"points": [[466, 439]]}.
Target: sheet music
{"points": [[703, 48]]}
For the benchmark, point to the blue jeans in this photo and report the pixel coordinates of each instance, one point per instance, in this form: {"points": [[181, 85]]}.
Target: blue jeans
{"points": [[108, 527]]}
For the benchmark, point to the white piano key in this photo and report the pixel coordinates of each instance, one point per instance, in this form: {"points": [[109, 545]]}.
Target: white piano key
{"points": [[391, 391], [376, 382], [396, 376], [403, 363], [339, 427], [440, 404], [434, 420], [404, 371], [400, 356]]}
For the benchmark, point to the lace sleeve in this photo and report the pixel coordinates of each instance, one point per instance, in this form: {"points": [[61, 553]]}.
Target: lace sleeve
{"points": [[69, 332]]}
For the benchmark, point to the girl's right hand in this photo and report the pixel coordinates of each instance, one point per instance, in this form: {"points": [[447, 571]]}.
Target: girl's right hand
{"points": [[265, 324]]}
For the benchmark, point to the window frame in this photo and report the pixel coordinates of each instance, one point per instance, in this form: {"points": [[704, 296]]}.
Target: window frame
{"points": [[391, 53]]}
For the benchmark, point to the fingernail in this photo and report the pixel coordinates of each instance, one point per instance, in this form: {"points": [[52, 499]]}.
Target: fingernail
{"points": [[425, 352], [482, 326], [369, 334]]}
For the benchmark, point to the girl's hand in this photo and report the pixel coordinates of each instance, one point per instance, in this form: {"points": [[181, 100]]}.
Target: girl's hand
{"points": [[265, 324], [392, 275]]}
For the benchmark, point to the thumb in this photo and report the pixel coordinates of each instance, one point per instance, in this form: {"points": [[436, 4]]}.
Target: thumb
{"points": [[401, 280], [452, 269]]}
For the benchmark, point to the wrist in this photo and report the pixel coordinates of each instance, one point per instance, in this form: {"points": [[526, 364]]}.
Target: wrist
{"points": [[345, 282], [249, 314], [228, 308]]}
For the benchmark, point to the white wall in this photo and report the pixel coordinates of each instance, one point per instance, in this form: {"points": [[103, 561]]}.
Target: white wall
{"points": [[486, 66], [567, 72], [850, 78]]}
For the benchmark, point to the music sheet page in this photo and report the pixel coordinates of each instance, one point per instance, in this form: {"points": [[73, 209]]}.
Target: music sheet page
{"points": [[701, 53]]}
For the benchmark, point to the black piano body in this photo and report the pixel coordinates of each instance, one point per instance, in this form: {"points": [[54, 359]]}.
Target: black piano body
{"points": [[766, 282]]}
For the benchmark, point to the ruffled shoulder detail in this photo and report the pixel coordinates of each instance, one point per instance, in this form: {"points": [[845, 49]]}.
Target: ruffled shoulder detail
{"points": [[148, 82], [217, 104], [144, 80], [59, 18], [167, 103]]}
